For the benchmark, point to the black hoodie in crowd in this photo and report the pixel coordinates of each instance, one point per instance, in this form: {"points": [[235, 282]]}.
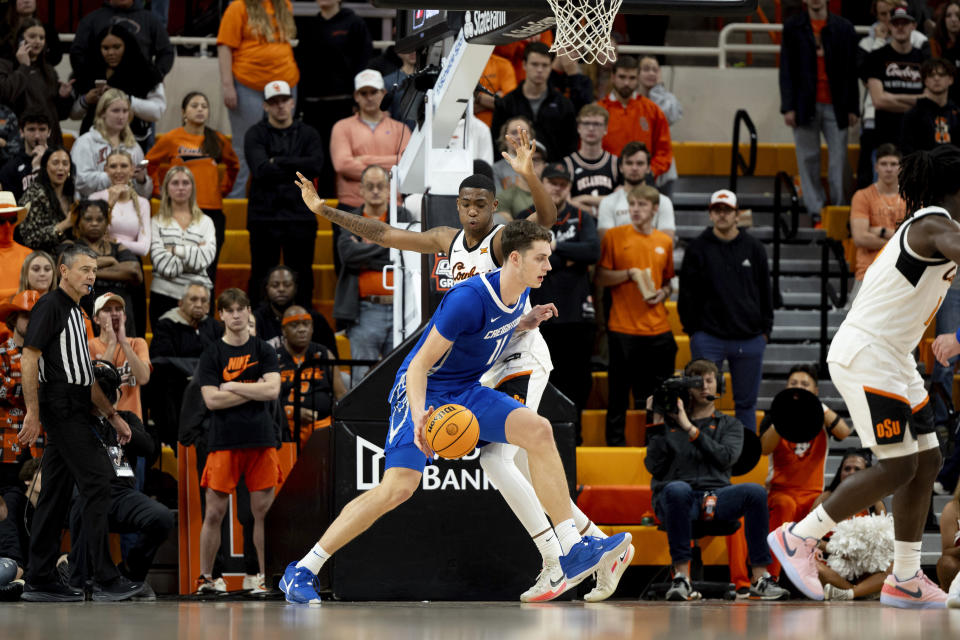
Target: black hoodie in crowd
{"points": [[725, 287], [927, 125]]}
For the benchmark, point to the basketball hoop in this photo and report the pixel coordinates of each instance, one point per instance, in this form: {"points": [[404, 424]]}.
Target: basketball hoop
{"points": [[584, 28]]}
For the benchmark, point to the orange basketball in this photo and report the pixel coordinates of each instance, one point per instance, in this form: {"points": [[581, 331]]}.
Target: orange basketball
{"points": [[452, 431]]}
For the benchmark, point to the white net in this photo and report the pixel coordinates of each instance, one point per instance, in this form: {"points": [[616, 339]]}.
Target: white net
{"points": [[584, 28]]}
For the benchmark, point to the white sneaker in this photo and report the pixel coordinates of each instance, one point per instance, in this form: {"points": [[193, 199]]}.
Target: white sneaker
{"points": [[550, 584], [833, 593], [220, 585], [257, 583], [608, 576], [953, 595]]}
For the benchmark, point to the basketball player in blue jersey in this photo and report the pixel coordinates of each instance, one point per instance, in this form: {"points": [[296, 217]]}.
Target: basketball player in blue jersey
{"points": [[872, 365], [463, 339], [523, 367]]}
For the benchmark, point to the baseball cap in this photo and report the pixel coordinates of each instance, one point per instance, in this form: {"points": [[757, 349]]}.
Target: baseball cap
{"points": [[276, 88], [104, 299], [368, 78], [724, 196], [21, 303], [556, 170], [901, 13]]}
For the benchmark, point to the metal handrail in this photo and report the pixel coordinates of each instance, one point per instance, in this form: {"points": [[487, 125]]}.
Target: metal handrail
{"points": [[736, 158], [781, 230], [828, 294]]}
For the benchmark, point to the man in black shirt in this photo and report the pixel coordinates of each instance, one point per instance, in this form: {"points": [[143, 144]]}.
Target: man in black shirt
{"points": [[935, 119], [892, 74], [595, 172], [238, 376], [23, 168], [725, 304], [58, 391], [576, 248], [281, 290]]}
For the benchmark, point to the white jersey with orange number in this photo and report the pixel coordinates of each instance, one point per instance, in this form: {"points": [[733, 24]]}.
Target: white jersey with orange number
{"points": [[899, 298], [527, 350]]}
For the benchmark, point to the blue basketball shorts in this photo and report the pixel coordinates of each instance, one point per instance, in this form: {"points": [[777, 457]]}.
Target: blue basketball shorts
{"points": [[490, 407]]}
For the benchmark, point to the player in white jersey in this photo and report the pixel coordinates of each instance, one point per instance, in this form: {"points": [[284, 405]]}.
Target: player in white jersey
{"points": [[522, 370], [872, 365]]}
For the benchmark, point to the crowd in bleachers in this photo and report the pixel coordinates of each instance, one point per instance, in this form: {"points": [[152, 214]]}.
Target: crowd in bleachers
{"points": [[151, 205]]}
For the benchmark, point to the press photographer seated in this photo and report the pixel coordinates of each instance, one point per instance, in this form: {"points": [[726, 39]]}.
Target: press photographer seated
{"points": [[690, 458]]}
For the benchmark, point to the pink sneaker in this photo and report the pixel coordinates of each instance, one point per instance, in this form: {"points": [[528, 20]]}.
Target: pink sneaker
{"points": [[798, 557], [919, 592]]}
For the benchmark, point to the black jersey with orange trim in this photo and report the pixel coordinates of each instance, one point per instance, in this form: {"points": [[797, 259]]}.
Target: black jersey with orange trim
{"points": [[596, 177], [247, 425], [316, 382]]}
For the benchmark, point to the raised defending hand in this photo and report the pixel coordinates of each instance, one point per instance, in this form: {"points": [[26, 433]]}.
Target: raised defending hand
{"points": [[523, 148], [309, 194], [945, 347], [420, 420], [536, 316]]}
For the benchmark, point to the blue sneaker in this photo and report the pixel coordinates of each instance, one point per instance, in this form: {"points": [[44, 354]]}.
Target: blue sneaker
{"points": [[586, 555], [299, 585]]}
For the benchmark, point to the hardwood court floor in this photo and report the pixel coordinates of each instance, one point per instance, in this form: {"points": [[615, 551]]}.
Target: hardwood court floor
{"points": [[454, 620]]}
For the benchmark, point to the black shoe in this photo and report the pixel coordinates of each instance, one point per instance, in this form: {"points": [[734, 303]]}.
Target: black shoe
{"points": [[11, 591], [51, 592], [118, 589]]}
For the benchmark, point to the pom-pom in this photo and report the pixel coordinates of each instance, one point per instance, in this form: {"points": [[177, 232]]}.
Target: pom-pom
{"points": [[861, 546]]}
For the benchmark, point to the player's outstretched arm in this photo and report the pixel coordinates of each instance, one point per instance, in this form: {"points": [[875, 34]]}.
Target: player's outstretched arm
{"points": [[545, 212], [436, 240], [432, 349]]}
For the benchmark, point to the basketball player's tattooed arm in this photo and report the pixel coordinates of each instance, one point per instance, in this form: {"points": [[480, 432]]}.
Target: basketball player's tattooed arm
{"points": [[435, 240]]}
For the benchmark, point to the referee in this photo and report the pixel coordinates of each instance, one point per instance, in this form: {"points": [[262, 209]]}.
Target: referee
{"points": [[59, 392]]}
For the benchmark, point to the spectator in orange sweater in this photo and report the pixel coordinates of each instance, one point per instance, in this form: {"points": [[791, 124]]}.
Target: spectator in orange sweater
{"points": [[369, 137], [200, 149], [500, 78], [634, 117], [12, 254]]}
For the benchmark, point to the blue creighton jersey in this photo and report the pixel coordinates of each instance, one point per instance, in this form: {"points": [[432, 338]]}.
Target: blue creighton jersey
{"points": [[473, 316]]}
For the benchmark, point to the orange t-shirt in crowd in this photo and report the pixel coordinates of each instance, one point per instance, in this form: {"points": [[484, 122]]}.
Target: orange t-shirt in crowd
{"points": [[514, 52], [881, 211], [823, 85], [256, 61], [799, 465], [179, 148], [623, 248], [500, 78], [130, 390], [641, 120], [11, 261], [370, 281]]}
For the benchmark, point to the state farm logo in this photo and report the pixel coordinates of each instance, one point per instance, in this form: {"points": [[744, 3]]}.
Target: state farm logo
{"points": [[442, 279], [442, 475], [478, 23]]}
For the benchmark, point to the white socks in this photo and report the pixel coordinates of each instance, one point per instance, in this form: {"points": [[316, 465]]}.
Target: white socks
{"points": [[906, 559], [549, 547], [584, 525], [815, 525], [567, 535], [314, 559]]}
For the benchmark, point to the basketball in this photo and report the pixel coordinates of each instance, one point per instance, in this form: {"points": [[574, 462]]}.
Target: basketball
{"points": [[452, 431]]}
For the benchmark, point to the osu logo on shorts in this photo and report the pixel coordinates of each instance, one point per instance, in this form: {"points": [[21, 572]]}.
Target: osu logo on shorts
{"points": [[236, 366], [887, 429]]}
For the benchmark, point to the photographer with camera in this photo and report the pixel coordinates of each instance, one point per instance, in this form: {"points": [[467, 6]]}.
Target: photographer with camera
{"points": [[690, 457]]}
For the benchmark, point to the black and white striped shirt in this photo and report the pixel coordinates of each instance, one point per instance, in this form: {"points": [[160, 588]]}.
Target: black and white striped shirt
{"points": [[58, 331]]}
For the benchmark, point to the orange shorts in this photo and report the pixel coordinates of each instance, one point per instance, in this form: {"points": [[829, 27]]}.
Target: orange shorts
{"points": [[260, 468]]}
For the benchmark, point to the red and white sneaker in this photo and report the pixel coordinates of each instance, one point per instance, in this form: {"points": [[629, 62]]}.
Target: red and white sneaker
{"points": [[550, 584], [798, 557], [919, 592]]}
